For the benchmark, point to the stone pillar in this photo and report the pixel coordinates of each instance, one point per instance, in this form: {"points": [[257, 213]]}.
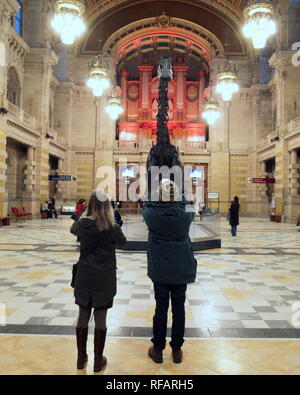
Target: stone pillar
{"points": [[294, 174], [38, 74], [3, 192], [145, 77], [30, 170], [8, 9], [36, 25], [30, 196], [60, 184]]}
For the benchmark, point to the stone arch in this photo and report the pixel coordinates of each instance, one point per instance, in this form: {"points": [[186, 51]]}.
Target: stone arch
{"points": [[209, 43]]}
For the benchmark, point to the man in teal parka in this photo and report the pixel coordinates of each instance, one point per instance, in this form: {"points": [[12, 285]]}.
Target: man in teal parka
{"points": [[171, 266]]}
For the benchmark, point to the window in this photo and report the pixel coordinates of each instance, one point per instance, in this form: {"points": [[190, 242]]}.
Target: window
{"points": [[19, 19]]}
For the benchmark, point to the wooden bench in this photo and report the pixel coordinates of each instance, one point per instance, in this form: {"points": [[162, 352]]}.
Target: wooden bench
{"points": [[5, 221]]}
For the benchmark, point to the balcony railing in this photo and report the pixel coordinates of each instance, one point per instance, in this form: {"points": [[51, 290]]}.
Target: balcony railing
{"points": [[146, 144], [21, 116], [55, 137]]}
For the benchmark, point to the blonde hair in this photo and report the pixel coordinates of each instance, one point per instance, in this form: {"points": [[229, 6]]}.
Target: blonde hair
{"points": [[99, 208]]}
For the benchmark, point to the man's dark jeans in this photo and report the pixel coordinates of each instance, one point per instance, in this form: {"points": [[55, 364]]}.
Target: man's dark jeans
{"points": [[162, 293], [234, 230]]}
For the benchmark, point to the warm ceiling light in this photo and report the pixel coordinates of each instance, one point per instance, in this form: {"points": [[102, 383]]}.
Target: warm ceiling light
{"points": [[260, 24], [98, 70], [227, 81], [210, 111], [67, 21], [114, 107]]}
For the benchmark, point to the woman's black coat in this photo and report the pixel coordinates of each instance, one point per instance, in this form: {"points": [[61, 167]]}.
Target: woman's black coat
{"points": [[234, 214], [170, 255], [96, 282]]}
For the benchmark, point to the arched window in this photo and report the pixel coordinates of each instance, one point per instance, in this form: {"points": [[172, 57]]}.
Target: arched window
{"points": [[13, 87], [19, 19]]}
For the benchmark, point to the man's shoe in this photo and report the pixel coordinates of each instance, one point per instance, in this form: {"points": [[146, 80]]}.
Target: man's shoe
{"points": [[177, 355], [155, 354]]}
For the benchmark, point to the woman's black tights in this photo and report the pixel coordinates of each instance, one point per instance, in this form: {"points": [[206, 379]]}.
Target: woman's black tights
{"points": [[85, 315]]}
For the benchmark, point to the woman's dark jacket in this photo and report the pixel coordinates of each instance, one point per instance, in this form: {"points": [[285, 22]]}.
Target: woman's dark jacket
{"points": [[234, 214], [170, 255], [96, 282]]}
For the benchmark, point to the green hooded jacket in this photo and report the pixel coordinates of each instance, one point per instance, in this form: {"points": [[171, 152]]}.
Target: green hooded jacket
{"points": [[170, 255]]}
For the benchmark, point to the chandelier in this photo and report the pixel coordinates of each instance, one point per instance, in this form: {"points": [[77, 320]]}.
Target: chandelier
{"points": [[67, 21], [227, 81], [260, 24], [114, 107], [98, 69], [210, 111]]}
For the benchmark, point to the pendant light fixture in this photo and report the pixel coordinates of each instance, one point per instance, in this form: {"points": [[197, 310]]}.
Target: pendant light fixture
{"points": [[260, 23], [114, 106], [98, 70], [67, 21]]}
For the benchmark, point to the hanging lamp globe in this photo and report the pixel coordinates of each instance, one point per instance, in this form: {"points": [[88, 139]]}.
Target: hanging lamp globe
{"points": [[210, 111], [260, 23], [98, 70], [227, 84], [114, 106], [67, 21]]}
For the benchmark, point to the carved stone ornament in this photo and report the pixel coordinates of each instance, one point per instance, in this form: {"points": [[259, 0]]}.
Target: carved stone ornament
{"points": [[163, 21]]}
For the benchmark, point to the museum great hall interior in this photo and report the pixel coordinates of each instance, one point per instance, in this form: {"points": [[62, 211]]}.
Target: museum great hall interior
{"points": [[79, 94]]}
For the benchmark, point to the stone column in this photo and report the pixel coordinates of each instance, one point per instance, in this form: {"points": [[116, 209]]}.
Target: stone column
{"points": [[30, 170], [30, 196], [294, 174], [38, 75], [60, 184], [3, 166], [36, 25], [8, 9]]}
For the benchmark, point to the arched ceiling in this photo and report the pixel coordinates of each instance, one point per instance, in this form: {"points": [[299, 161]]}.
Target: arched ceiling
{"points": [[221, 18], [232, 8]]}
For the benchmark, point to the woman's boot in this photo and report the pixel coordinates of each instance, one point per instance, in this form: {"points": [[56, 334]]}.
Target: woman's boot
{"points": [[81, 336], [99, 342]]}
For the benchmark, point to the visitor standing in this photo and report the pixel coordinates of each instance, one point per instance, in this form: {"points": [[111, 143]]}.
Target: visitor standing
{"points": [[95, 283], [171, 266], [234, 215]]}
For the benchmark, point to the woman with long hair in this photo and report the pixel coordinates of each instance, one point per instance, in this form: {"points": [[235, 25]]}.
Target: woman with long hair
{"points": [[95, 284]]}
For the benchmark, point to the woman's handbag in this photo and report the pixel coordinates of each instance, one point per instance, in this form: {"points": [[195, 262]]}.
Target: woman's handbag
{"points": [[74, 272], [74, 216]]}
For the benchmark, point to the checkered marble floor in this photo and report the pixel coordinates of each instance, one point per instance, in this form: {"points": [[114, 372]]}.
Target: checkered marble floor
{"points": [[245, 289]]}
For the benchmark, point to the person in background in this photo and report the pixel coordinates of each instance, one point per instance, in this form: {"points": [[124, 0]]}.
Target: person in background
{"points": [[118, 218], [45, 209], [52, 209], [298, 220], [95, 282], [80, 207], [234, 216], [171, 266]]}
